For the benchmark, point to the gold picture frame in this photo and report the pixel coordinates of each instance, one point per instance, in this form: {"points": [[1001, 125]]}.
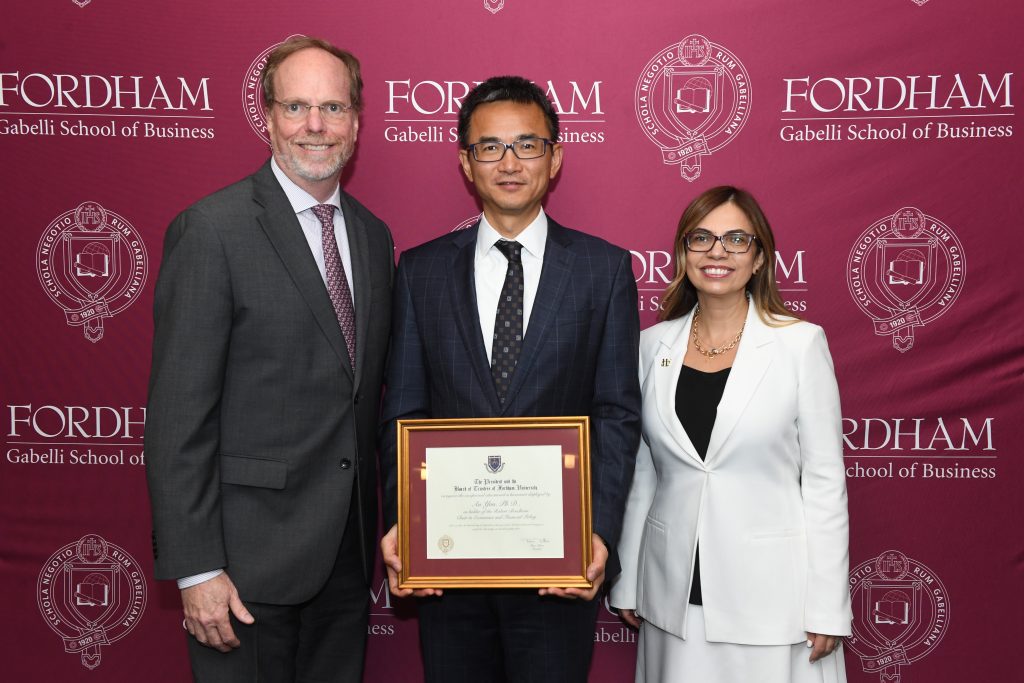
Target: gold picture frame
{"points": [[529, 527]]}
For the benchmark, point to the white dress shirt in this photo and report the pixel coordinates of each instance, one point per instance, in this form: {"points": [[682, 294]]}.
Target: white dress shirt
{"points": [[302, 202], [490, 265]]}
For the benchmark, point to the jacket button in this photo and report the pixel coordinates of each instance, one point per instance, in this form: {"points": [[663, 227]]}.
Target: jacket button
{"points": [[345, 463], [356, 400]]}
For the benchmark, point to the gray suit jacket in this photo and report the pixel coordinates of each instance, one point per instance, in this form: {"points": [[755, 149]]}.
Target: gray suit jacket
{"points": [[259, 431]]}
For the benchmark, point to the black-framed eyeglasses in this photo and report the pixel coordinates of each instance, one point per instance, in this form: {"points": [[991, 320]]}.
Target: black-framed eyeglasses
{"points": [[330, 111], [736, 242], [523, 148]]}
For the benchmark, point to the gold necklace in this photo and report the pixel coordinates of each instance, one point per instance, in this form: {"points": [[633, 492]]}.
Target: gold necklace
{"points": [[718, 351]]}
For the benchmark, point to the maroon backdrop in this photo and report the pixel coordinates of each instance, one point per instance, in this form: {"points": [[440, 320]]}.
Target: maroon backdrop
{"points": [[879, 135]]}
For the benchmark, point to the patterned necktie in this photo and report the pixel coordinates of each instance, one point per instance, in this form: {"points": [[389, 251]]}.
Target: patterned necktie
{"points": [[337, 284], [508, 321]]}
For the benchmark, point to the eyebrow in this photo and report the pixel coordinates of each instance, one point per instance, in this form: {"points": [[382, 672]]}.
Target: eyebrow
{"points": [[521, 136], [730, 230]]}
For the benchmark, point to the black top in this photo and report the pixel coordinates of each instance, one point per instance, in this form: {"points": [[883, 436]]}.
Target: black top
{"points": [[697, 397]]}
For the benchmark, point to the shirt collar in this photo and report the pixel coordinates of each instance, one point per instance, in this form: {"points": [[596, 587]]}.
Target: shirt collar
{"points": [[533, 237], [299, 198]]}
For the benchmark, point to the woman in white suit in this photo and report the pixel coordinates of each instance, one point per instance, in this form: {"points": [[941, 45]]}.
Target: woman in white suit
{"points": [[735, 542]]}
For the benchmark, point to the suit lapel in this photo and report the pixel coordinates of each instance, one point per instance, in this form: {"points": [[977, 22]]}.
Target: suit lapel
{"points": [[753, 357], [359, 253], [554, 279], [282, 228], [462, 292], [666, 378]]}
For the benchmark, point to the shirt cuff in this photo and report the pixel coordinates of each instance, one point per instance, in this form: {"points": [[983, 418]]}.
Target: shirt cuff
{"points": [[196, 579]]}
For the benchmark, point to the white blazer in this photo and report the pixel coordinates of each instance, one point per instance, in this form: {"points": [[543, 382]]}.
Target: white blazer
{"points": [[768, 503]]}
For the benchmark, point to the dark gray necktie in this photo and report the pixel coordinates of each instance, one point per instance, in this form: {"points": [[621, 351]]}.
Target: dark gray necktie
{"points": [[508, 321]]}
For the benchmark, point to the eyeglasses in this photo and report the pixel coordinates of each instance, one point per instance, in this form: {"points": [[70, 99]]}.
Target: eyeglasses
{"points": [[330, 111], [523, 148], [733, 242]]}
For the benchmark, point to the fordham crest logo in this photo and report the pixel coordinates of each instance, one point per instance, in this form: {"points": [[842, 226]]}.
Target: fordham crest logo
{"points": [[904, 272], [494, 6], [81, 3], [901, 612], [93, 264], [92, 593], [692, 99], [494, 464], [252, 91], [468, 223]]}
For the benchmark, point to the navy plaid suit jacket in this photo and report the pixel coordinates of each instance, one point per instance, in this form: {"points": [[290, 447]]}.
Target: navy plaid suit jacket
{"points": [[579, 356]]}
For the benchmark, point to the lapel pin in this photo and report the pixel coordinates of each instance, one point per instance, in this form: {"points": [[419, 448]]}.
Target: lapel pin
{"points": [[666, 362]]}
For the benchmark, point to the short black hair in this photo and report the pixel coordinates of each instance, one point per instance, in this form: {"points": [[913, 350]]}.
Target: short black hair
{"points": [[505, 89]]}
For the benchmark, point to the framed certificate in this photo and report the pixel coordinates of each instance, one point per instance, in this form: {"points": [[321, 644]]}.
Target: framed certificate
{"points": [[497, 502]]}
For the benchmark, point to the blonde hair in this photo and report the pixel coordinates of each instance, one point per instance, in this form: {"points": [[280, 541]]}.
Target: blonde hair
{"points": [[681, 296]]}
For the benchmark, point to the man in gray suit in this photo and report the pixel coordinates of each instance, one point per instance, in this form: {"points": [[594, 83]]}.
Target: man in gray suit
{"points": [[265, 390]]}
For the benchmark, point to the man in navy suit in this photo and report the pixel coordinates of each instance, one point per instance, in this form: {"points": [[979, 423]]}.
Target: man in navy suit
{"points": [[572, 351]]}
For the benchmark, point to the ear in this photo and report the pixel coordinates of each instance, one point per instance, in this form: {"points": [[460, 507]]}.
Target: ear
{"points": [[556, 159], [467, 167], [759, 261]]}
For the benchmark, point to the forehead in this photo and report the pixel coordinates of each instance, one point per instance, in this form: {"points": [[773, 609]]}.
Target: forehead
{"points": [[312, 72], [724, 218], [507, 120]]}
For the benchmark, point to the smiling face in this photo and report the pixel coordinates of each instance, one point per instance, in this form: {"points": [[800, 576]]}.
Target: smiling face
{"points": [[717, 273], [512, 189], [310, 150]]}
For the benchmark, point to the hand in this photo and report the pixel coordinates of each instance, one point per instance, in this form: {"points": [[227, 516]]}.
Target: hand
{"points": [[629, 616], [595, 574], [206, 608], [822, 645], [393, 564]]}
